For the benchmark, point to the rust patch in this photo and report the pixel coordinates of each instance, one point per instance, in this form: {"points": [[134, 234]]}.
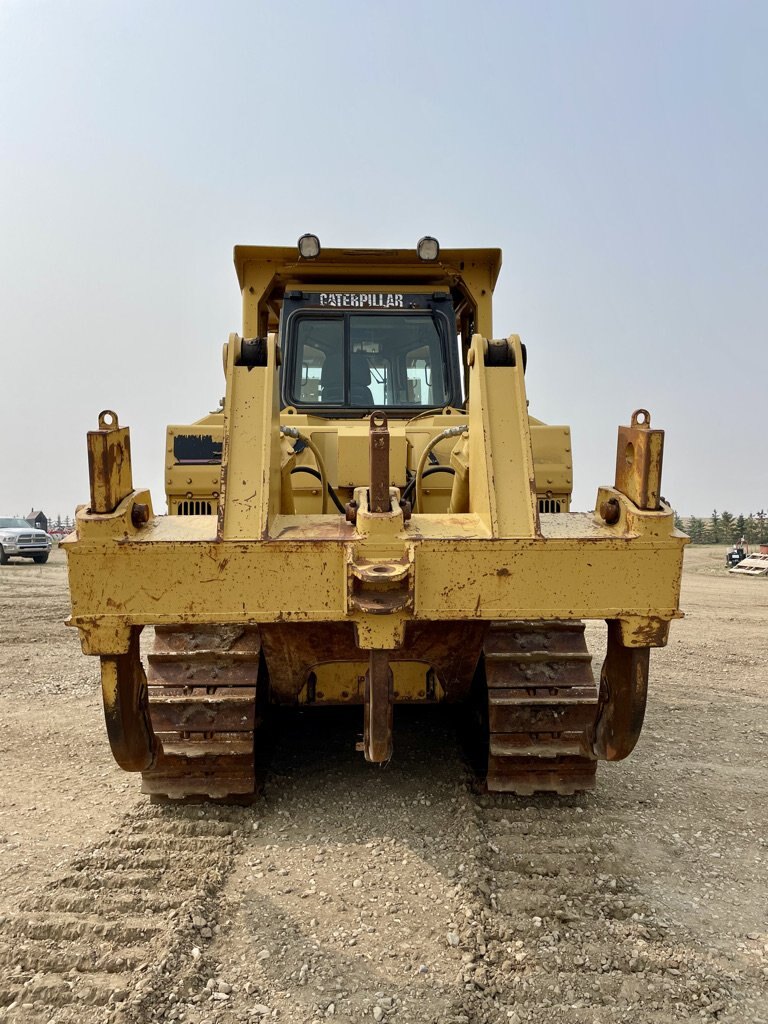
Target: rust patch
{"points": [[381, 587], [109, 464], [379, 694], [639, 457], [623, 695], [378, 494], [126, 711], [292, 650]]}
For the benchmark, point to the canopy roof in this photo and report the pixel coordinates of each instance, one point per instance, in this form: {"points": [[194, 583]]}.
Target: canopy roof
{"points": [[402, 265]]}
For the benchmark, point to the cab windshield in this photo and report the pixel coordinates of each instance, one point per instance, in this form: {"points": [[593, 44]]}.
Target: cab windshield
{"points": [[370, 360], [15, 524]]}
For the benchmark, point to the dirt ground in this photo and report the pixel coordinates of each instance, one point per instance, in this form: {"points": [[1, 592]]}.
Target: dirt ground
{"points": [[390, 895]]}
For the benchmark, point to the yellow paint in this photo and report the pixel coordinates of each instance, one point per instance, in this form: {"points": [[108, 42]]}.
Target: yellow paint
{"points": [[343, 682], [492, 557]]}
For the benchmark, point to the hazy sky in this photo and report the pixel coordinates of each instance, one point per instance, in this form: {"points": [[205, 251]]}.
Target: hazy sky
{"points": [[616, 152]]}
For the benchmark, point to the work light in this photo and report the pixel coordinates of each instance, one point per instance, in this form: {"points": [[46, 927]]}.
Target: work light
{"points": [[309, 247], [428, 248]]}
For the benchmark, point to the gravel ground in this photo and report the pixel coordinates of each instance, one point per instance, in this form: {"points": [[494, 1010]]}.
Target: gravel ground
{"points": [[390, 895]]}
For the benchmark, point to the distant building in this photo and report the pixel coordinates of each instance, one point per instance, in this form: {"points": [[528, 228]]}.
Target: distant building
{"points": [[37, 519]]}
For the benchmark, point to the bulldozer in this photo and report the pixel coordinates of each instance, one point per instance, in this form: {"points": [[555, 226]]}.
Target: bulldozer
{"points": [[372, 517]]}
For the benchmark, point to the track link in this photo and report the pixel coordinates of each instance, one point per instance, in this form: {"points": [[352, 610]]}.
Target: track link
{"points": [[203, 685], [541, 701]]}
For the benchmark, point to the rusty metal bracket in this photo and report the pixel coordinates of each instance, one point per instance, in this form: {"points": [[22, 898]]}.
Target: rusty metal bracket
{"points": [[379, 696], [381, 587], [639, 455], [378, 498], [109, 463], [126, 709], [621, 703]]}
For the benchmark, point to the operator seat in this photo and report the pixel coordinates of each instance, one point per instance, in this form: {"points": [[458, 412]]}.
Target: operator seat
{"points": [[332, 380], [359, 379]]}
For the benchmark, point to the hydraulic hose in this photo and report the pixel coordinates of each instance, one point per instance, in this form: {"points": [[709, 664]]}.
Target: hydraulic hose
{"points": [[448, 432], [427, 472], [442, 410], [295, 433], [333, 494]]}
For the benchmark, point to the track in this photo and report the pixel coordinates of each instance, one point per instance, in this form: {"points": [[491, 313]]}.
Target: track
{"points": [[122, 915], [203, 685], [542, 700], [204, 701]]}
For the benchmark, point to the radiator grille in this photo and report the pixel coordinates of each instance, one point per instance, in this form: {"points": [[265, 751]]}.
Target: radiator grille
{"points": [[549, 505], [194, 508]]}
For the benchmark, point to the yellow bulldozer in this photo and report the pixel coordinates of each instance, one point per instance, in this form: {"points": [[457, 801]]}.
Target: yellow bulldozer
{"points": [[371, 518]]}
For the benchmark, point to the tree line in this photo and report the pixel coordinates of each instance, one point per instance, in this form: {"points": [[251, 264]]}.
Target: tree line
{"points": [[725, 528], [61, 523]]}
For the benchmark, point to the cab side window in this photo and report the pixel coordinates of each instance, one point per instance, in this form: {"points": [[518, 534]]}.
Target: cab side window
{"points": [[320, 360]]}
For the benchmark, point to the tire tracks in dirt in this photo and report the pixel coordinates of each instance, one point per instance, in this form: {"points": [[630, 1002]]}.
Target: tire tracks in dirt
{"points": [[99, 942], [568, 934], [355, 893]]}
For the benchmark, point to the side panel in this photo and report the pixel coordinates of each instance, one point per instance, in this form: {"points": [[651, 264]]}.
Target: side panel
{"points": [[250, 470]]}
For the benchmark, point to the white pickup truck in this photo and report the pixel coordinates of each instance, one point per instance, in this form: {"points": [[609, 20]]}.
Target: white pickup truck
{"points": [[20, 540]]}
